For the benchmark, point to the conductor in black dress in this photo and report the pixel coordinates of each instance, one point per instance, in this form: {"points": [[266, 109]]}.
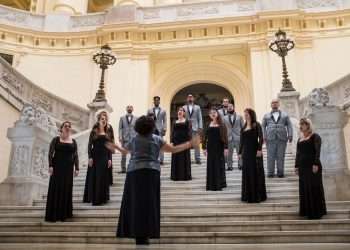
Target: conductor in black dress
{"points": [[140, 208], [215, 147], [309, 168], [63, 163], [250, 151]]}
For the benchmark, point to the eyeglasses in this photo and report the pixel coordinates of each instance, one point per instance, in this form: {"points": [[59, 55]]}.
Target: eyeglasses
{"points": [[67, 126]]}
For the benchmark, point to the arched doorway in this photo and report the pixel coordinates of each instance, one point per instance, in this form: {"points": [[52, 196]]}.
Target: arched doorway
{"points": [[206, 96]]}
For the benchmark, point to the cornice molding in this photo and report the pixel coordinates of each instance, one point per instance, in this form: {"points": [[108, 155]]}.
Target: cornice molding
{"points": [[255, 30]]}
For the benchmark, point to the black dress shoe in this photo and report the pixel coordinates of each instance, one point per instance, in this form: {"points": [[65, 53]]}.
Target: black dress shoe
{"points": [[281, 176], [198, 162], [122, 172], [230, 169], [161, 163], [270, 176], [142, 241]]}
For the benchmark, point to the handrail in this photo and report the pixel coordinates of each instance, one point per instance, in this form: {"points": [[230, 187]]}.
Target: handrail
{"points": [[22, 90]]}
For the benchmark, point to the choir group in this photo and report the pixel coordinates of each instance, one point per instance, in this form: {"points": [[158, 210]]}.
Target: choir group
{"points": [[143, 139]]}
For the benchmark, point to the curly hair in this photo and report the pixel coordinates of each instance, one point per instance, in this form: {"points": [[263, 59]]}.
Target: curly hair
{"points": [[144, 125]]}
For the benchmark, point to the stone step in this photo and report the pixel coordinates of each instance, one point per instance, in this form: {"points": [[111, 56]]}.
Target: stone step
{"points": [[326, 236], [203, 193], [183, 188], [83, 246], [194, 167], [228, 226], [205, 217], [216, 199], [165, 175], [201, 207], [166, 181]]}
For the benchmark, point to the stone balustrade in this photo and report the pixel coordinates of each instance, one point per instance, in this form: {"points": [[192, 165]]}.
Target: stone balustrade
{"points": [[160, 14], [21, 90]]}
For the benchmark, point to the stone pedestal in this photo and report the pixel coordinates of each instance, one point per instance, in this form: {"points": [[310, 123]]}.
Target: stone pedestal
{"points": [[289, 102], [94, 108], [28, 171], [329, 122]]}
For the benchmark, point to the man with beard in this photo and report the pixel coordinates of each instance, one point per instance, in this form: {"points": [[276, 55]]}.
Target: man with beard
{"points": [[277, 130], [159, 115], [224, 108], [234, 123], [194, 115], [126, 132]]}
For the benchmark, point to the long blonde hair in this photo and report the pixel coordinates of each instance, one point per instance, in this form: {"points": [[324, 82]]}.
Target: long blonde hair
{"points": [[308, 123]]}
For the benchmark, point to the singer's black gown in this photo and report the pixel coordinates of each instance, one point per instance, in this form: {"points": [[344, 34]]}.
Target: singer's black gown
{"points": [[311, 192], [62, 157], [181, 162]]}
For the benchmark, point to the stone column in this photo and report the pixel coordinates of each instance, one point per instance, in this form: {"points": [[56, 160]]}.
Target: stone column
{"points": [[72, 7], [289, 102], [94, 108], [28, 169], [329, 122]]}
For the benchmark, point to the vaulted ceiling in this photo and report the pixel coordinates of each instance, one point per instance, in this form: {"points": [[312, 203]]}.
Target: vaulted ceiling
{"points": [[19, 4]]}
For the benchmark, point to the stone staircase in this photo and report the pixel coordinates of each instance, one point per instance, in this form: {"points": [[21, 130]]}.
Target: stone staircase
{"points": [[189, 215]]}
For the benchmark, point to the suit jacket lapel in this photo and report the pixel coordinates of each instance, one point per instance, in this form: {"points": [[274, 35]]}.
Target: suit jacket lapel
{"points": [[189, 111], [279, 116], [232, 122], [129, 122]]}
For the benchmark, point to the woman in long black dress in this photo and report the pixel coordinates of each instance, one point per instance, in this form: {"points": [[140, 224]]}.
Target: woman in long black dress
{"points": [[250, 151], [140, 209], [63, 157], [110, 133], [215, 148], [181, 162], [309, 168], [100, 160]]}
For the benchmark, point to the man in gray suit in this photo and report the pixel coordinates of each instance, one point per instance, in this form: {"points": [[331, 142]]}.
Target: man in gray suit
{"points": [[126, 132], [234, 123], [277, 130], [224, 109], [159, 115], [194, 115]]}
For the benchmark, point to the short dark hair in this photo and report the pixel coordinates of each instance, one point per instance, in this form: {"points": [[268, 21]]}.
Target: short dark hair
{"points": [[156, 97], [144, 125]]}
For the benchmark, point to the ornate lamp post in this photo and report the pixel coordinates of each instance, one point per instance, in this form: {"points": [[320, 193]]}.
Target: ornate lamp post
{"points": [[281, 45], [104, 58]]}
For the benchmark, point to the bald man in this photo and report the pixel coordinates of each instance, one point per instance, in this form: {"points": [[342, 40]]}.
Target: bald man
{"points": [[277, 131]]}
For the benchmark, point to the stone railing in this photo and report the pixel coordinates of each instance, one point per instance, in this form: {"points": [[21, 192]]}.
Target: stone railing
{"points": [[338, 94], [160, 14], [17, 90]]}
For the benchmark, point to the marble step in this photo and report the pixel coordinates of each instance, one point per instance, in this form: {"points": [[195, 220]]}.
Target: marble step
{"points": [[216, 199], [228, 226], [185, 208], [165, 174], [83, 246], [166, 181], [181, 187], [326, 236], [205, 217], [199, 194]]}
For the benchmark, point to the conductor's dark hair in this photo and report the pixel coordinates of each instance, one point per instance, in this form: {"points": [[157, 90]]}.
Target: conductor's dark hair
{"points": [[144, 125], [156, 97]]}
